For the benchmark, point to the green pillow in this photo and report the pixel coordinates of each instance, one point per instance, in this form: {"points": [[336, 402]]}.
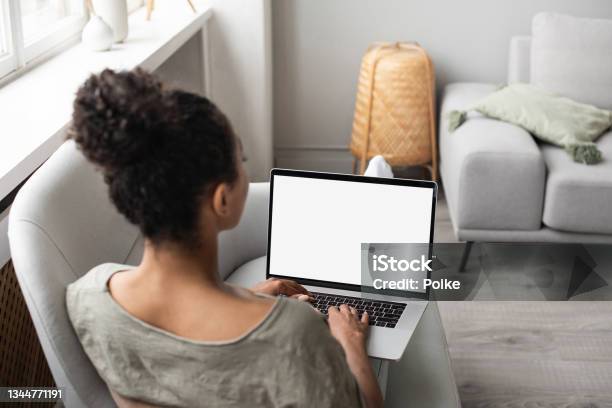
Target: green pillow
{"points": [[551, 118]]}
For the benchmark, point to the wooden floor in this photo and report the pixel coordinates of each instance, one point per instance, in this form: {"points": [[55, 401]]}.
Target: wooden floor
{"points": [[531, 354], [528, 354]]}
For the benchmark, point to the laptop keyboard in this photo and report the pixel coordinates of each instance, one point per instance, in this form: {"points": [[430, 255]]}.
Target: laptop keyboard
{"points": [[381, 314]]}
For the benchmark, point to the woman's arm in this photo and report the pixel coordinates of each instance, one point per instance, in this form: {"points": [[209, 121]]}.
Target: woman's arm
{"points": [[351, 333]]}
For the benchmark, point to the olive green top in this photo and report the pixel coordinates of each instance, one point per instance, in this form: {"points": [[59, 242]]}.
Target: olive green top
{"points": [[289, 359]]}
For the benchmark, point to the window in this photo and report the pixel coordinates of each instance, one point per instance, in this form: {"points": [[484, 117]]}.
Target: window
{"points": [[3, 47], [31, 28], [7, 56]]}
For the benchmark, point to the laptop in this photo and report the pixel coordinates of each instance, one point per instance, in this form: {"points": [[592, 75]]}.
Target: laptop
{"points": [[321, 223]]}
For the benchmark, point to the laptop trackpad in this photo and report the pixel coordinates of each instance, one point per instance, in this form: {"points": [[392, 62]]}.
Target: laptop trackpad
{"points": [[387, 343]]}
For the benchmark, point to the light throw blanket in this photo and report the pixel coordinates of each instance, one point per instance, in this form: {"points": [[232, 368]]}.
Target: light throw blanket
{"points": [[554, 119]]}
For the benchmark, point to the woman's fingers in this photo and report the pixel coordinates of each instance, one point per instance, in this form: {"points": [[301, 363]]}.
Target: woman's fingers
{"points": [[302, 298], [290, 288], [365, 318], [344, 309], [299, 288], [350, 312]]}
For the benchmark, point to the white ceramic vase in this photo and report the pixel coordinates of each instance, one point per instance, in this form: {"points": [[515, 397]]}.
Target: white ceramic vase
{"points": [[115, 14], [97, 35]]}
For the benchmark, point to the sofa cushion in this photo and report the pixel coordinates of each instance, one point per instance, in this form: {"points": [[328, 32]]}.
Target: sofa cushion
{"points": [[519, 57], [493, 172], [572, 56], [578, 198]]}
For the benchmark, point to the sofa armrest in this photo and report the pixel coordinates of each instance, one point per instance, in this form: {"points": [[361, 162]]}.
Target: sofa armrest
{"points": [[249, 240], [493, 172]]}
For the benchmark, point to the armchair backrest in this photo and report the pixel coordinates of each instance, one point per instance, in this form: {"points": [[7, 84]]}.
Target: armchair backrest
{"points": [[519, 59], [62, 224]]}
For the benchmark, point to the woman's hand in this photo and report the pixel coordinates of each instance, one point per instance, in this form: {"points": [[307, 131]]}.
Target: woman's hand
{"points": [[285, 287], [352, 332], [346, 326]]}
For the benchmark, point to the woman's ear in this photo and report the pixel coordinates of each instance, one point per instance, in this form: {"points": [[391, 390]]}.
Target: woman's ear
{"points": [[227, 203], [220, 201]]}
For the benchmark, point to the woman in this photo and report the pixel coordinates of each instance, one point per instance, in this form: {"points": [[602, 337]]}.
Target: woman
{"points": [[169, 331]]}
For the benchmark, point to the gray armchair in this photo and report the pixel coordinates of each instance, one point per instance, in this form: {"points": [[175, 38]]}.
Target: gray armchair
{"points": [[62, 224]]}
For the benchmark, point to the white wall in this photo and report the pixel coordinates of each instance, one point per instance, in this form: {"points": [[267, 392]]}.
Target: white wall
{"points": [[241, 73], [184, 68], [240, 44], [318, 45]]}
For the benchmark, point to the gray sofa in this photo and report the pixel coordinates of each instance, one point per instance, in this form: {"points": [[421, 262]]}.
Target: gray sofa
{"points": [[503, 186]]}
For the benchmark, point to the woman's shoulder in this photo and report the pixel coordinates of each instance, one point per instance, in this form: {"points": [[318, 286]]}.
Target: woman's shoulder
{"points": [[302, 313], [300, 321], [82, 292], [97, 278]]}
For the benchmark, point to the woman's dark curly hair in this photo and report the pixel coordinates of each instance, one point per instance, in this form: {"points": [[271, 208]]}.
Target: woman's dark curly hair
{"points": [[160, 150]]}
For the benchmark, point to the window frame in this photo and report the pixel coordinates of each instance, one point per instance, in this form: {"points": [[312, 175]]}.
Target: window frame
{"points": [[20, 56], [8, 59], [62, 31]]}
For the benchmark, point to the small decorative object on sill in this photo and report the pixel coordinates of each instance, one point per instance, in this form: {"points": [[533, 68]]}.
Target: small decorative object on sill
{"points": [[394, 109], [115, 14], [151, 6], [96, 35]]}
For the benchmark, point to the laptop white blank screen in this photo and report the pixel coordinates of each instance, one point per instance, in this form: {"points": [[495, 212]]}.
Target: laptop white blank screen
{"points": [[318, 225]]}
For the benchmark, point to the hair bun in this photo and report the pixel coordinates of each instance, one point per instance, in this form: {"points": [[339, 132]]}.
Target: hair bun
{"points": [[118, 117]]}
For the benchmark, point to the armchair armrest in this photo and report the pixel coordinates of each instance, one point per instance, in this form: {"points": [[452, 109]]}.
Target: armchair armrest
{"points": [[249, 239]]}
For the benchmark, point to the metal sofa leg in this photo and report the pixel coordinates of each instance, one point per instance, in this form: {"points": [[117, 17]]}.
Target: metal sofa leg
{"points": [[466, 255]]}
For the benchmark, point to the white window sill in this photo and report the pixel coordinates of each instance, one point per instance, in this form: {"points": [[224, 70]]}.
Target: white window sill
{"points": [[36, 108]]}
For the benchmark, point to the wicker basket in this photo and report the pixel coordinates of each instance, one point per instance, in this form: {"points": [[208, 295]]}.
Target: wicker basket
{"points": [[394, 111]]}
